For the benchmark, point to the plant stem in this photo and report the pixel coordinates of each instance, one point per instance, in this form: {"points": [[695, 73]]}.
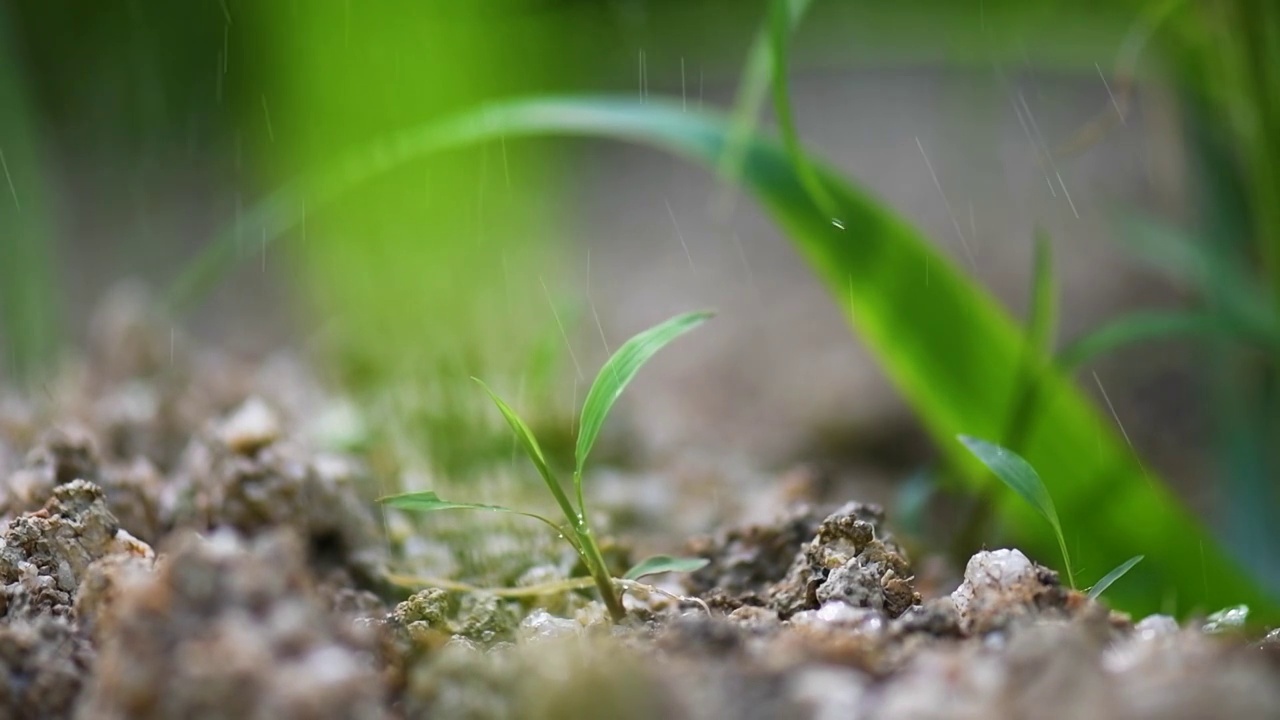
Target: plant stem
{"points": [[599, 571]]}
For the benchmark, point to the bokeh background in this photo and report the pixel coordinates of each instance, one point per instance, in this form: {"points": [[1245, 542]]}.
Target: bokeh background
{"points": [[137, 134]]}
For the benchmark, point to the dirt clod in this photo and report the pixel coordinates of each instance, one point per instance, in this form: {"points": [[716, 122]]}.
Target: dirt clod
{"points": [[850, 559], [64, 454], [233, 480], [44, 554], [43, 663], [226, 628]]}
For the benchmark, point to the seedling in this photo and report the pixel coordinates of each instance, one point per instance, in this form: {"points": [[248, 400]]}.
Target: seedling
{"points": [[605, 390], [1113, 576], [1018, 474]]}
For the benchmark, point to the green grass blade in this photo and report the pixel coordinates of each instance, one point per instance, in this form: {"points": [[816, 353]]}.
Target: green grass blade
{"points": [[665, 563], [1041, 335], [946, 345], [1227, 286], [1138, 327], [534, 451], [425, 502], [1042, 329], [781, 26], [1114, 575], [1023, 479], [753, 90], [30, 301], [618, 372]]}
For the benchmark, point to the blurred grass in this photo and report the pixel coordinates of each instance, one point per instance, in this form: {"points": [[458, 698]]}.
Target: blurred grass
{"points": [[30, 314], [428, 273]]}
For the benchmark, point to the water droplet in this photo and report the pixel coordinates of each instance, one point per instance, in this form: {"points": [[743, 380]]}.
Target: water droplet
{"points": [[838, 223]]}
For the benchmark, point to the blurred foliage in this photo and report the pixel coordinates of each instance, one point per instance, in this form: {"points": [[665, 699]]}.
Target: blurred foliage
{"points": [[30, 318]]}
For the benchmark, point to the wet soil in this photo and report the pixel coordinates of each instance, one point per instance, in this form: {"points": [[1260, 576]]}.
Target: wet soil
{"points": [[176, 543]]}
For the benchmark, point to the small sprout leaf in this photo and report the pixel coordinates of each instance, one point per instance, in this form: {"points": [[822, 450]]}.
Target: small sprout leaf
{"points": [[425, 502], [1016, 473], [665, 563], [1024, 480], [431, 502], [533, 450], [1113, 576], [619, 371]]}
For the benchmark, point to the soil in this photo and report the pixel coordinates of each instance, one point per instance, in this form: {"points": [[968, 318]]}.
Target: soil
{"points": [[174, 543]]}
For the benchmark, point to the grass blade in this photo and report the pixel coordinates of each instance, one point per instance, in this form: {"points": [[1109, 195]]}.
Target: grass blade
{"points": [[1018, 474], [757, 78], [1113, 576], [665, 563], [1042, 329], [1138, 327], [425, 502], [947, 346], [534, 451], [618, 372], [781, 25], [30, 301], [1208, 268], [1041, 335]]}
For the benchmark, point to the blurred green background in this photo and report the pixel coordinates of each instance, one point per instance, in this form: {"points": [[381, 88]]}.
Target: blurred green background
{"points": [[137, 135]]}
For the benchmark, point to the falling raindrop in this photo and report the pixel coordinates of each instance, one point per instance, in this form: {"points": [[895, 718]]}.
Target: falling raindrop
{"points": [[838, 223]]}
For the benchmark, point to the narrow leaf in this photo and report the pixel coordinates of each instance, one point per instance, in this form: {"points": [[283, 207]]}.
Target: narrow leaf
{"points": [[1042, 327], [1018, 474], [1015, 472], [428, 501], [1229, 288], [1138, 327], [1113, 576], [1041, 335], [618, 372], [31, 291], [781, 26], [534, 451], [665, 563], [753, 90]]}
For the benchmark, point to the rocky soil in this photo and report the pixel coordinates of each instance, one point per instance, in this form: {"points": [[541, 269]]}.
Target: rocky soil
{"points": [[174, 545]]}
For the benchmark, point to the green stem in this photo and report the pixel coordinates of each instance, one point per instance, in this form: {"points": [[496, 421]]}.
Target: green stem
{"points": [[1066, 558], [599, 570]]}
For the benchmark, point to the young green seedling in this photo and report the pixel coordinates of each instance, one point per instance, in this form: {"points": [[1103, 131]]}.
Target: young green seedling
{"points": [[1018, 474], [1024, 480], [604, 392], [1114, 575]]}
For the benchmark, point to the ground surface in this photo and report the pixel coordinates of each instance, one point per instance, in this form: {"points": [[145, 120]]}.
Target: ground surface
{"points": [[179, 540]]}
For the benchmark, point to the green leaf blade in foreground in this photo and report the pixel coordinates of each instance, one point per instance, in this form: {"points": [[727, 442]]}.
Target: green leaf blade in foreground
{"points": [[942, 340], [1023, 479], [665, 563], [618, 372], [1113, 576]]}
